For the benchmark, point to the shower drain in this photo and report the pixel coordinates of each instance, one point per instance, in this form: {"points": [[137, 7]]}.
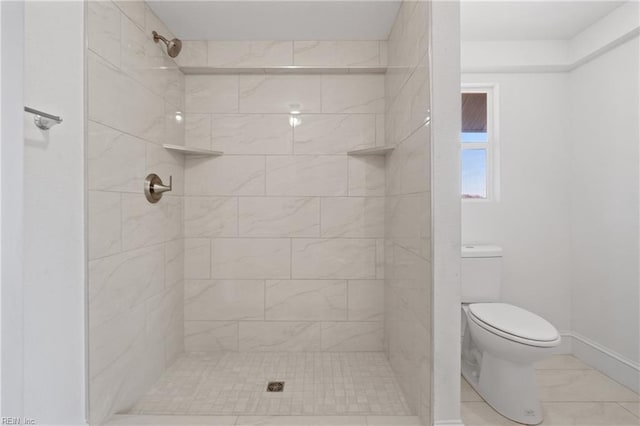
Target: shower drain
{"points": [[275, 387]]}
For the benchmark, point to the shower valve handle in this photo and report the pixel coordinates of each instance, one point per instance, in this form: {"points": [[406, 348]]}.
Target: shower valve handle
{"points": [[154, 188]]}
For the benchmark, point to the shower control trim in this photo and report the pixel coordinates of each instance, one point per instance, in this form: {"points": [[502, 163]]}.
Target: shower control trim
{"points": [[154, 188]]}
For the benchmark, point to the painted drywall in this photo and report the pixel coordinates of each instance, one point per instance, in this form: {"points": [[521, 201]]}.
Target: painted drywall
{"points": [[445, 201], [603, 185], [531, 218], [581, 231], [11, 196], [560, 55], [54, 237]]}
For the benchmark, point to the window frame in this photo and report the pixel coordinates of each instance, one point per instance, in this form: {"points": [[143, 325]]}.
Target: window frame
{"points": [[492, 145]]}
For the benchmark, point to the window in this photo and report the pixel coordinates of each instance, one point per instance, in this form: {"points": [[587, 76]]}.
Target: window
{"points": [[479, 143]]}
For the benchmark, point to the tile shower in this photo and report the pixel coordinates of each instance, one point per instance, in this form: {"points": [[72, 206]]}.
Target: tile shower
{"points": [[285, 254]]}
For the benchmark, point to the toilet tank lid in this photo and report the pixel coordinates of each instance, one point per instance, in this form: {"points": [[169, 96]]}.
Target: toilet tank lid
{"points": [[481, 250]]}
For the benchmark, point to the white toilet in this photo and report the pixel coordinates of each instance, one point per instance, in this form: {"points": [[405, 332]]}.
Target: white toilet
{"points": [[500, 342]]}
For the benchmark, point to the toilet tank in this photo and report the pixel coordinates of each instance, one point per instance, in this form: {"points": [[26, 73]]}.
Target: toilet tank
{"points": [[481, 273]]}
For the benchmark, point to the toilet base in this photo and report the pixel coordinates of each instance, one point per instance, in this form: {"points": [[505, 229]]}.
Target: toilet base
{"points": [[507, 387]]}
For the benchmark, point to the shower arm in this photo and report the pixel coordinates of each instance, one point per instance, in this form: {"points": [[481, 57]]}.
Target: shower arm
{"points": [[157, 37]]}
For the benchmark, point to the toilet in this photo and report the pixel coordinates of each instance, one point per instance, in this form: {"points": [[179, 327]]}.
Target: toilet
{"points": [[500, 342]]}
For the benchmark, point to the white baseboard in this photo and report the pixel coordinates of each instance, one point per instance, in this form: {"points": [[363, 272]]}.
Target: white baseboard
{"points": [[612, 364], [565, 347], [448, 423]]}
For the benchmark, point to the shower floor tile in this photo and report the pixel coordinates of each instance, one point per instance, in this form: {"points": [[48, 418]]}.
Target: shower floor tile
{"points": [[316, 384]]}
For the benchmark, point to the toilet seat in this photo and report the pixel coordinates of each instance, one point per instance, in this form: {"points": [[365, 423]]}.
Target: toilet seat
{"points": [[514, 323]]}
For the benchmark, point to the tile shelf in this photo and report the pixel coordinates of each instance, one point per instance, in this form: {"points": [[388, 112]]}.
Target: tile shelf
{"points": [[192, 151], [285, 69], [377, 150]]}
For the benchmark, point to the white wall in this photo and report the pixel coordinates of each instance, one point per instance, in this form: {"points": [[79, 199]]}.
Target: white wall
{"points": [[54, 238], [445, 201], [531, 218], [604, 203], [11, 169], [568, 217]]}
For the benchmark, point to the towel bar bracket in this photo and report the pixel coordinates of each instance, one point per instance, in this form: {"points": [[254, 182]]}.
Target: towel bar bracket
{"points": [[42, 119]]}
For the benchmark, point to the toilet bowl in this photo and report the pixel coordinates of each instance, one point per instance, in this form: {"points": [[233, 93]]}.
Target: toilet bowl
{"points": [[501, 342]]}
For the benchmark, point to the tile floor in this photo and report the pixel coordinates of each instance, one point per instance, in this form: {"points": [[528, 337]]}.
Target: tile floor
{"points": [[133, 420], [316, 384], [571, 392]]}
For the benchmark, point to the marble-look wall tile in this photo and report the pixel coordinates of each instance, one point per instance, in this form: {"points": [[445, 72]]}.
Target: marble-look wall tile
{"points": [[279, 217], [224, 300], [236, 54], [366, 300], [352, 336], [384, 53], [336, 53], [279, 336], [210, 216], [353, 93], [211, 93], [114, 379], [152, 22], [104, 225], [198, 130], [380, 258], [306, 300], [174, 124], [408, 169], [136, 250], [407, 266], [142, 114], [307, 175], [103, 30], [125, 280], [165, 324], [380, 131], [334, 258], [252, 134], [251, 258], [280, 93], [174, 263], [334, 133], [367, 175], [210, 336], [133, 9], [405, 222], [193, 54], [226, 175], [410, 108], [349, 217], [197, 258], [144, 224]]}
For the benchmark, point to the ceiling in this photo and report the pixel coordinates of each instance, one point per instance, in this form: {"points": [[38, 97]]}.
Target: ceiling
{"points": [[278, 20], [529, 20]]}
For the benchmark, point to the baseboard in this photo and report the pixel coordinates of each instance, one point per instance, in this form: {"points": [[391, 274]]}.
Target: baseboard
{"points": [[565, 347], [612, 364], [448, 423]]}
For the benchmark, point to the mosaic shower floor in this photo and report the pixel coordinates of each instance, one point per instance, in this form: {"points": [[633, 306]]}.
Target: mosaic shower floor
{"points": [[316, 384]]}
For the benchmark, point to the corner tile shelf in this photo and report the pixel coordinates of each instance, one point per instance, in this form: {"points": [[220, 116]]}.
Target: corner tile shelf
{"points": [[192, 151], [377, 150]]}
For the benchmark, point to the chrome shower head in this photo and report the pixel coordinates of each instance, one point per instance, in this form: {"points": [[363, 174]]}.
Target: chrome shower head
{"points": [[173, 46]]}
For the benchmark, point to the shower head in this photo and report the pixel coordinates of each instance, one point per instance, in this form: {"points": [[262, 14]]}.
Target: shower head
{"points": [[173, 46]]}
